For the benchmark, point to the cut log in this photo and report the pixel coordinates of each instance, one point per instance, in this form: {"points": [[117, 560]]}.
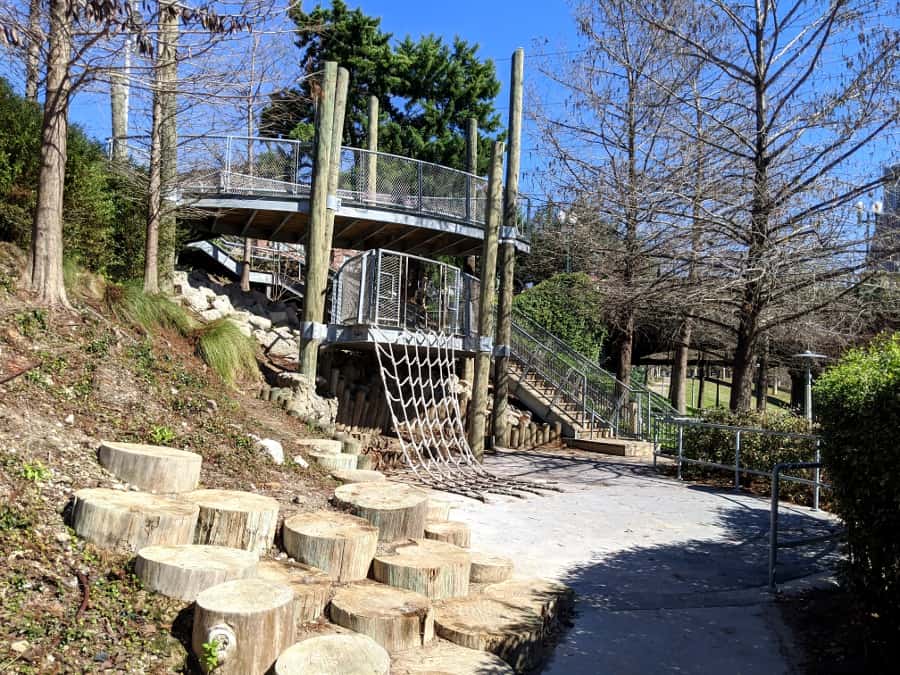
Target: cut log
{"points": [[351, 446], [515, 634], [311, 586], [548, 599], [339, 654], [129, 521], [397, 510], [339, 544], [396, 619], [433, 568], [151, 467], [451, 531], [251, 620], [366, 462], [490, 569], [438, 510], [445, 658], [182, 572], [237, 519], [332, 461], [325, 445], [356, 476]]}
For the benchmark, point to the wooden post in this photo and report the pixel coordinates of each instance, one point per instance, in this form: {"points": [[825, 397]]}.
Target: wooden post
{"points": [[468, 364], [477, 418], [508, 253], [372, 159], [317, 245]]}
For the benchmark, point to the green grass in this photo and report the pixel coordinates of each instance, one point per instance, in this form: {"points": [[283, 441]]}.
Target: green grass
{"points": [[230, 353], [692, 392], [148, 311]]}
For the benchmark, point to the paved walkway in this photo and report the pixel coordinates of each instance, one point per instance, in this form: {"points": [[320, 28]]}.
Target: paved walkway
{"points": [[670, 577]]}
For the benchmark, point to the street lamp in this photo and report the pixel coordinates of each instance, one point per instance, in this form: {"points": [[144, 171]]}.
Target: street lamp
{"points": [[808, 358], [869, 216]]}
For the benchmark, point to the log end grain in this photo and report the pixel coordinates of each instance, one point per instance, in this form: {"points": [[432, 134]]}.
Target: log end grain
{"points": [[489, 569], [445, 658], [311, 586], [234, 518], [340, 544], [433, 568], [347, 654], [184, 571], [398, 511], [357, 476], [451, 531], [152, 468], [395, 618]]}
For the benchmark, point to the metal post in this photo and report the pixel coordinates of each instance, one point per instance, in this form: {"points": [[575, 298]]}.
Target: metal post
{"points": [[809, 393], [655, 444], [737, 460], [818, 476], [420, 182], [773, 525], [372, 156], [471, 166], [680, 448]]}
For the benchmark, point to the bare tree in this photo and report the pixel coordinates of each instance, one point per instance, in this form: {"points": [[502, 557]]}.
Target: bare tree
{"points": [[33, 57]]}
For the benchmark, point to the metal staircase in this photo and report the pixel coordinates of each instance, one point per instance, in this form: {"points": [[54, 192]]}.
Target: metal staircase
{"points": [[560, 384]]}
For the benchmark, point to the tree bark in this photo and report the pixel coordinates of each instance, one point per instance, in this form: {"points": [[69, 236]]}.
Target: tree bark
{"points": [[33, 55], [762, 380], [168, 78], [245, 266], [118, 104], [702, 376], [677, 388], [151, 255], [45, 257]]}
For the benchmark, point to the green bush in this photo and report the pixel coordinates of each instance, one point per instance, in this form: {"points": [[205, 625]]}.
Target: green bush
{"points": [[150, 312], [230, 353], [858, 401]]}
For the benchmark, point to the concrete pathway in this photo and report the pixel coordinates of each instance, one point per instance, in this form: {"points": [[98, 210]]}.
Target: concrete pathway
{"points": [[670, 577]]}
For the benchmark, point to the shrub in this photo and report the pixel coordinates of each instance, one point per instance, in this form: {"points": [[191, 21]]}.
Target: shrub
{"points": [[230, 353], [149, 312], [858, 401]]}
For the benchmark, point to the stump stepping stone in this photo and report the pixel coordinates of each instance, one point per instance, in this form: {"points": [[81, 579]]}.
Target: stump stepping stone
{"points": [[489, 569], [184, 571], [325, 445], [129, 521], [366, 462], [311, 586], [153, 468], [233, 518], [332, 461], [357, 476], [438, 510], [451, 531], [396, 619], [251, 620], [433, 568], [344, 654], [548, 599], [445, 658], [397, 510], [515, 634], [337, 543]]}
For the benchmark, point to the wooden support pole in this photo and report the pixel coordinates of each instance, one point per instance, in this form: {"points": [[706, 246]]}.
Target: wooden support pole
{"points": [[477, 418], [508, 253], [372, 145], [317, 245], [468, 364]]}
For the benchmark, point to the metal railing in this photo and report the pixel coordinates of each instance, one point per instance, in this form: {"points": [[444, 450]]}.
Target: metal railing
{"points": [[591, 396], [282, 262], [388, 289], [272, 166]]}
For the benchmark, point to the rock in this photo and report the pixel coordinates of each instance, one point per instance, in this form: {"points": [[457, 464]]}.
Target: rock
{"points": [[211, 406], [260, 322], [272, 448], [20, 646], [70, 419], [278, 317], [279, 346], [197, 301], [211, 315], [223, 305], [299, 461]]}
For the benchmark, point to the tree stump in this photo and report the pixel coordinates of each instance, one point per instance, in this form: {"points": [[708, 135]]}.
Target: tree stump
{"points": [[339, 544], [433, 568], [548, 599], [311, 586], [445, 658], [252, 620], [515, 634], [151, 467], [332, 461], [339, 654], [397, 510], [237, 519], [489, 569], [129, 521], [438, 510], [357, 476], [396, 619], [184, 571], [366, 462], [452, 531], [325, 445]]}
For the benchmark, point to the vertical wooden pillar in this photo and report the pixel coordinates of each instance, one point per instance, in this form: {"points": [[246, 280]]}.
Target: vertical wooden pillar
{"points": [[468, 362], [372, 145], [317, 245], [508, 253], [478, 414], [337, 135]]}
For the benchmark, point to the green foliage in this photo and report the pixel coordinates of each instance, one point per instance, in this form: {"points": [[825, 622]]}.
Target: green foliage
{"points": [[858, 403], [210, 657], [35, 472], [11, 519], [426, 88], [149, 312], [230, 353], [567, 305], [31, 322], [161, 435]]}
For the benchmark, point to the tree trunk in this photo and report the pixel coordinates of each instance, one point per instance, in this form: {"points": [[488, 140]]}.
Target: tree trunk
{"points": [[798, 389], [118, 104], [33, 56], [245, 266], [151, 255], [45, 257], [168, 130], [702, 376], [762, 380], [679, 367], [625, 344]]}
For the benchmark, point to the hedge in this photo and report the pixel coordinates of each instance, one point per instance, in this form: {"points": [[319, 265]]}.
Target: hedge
{"points": [[858, 403]]}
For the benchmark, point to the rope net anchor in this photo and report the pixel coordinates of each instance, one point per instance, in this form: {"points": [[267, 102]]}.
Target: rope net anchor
{"points": [[422, 390]]}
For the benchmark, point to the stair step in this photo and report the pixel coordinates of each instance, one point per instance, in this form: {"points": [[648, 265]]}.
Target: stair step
{"points": [[348, 654], [337, 543], [395, 618], [233, 518], [357, 476], [433, 568], [451, 531], [184, 571], [488, 569], [398, 511], [441, 657], [311, 586], [152, 468], [334, 461]]}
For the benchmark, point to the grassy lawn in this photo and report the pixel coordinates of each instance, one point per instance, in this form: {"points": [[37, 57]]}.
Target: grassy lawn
{"points": [[692, 390]]}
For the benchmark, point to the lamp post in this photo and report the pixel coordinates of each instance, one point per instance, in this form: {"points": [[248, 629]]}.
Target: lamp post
{"points": [[868, 216], [808, 358]]}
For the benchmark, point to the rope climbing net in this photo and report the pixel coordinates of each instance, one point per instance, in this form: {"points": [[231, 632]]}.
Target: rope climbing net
{"points": [[418, 372]]}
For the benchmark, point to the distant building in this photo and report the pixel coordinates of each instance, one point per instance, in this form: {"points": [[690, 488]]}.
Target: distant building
{"points": [[885, 250]]}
